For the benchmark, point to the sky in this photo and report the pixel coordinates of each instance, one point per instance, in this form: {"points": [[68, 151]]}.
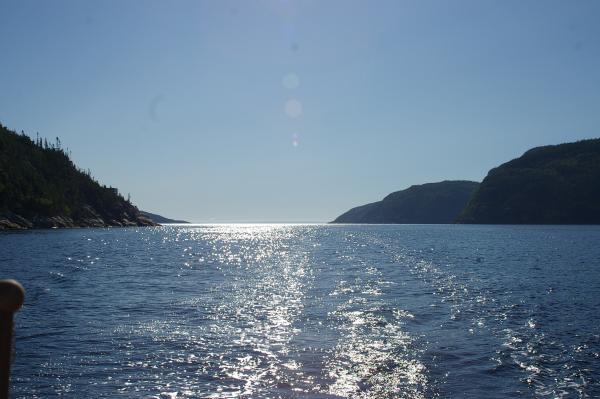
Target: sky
{"points": [[296, 111]]}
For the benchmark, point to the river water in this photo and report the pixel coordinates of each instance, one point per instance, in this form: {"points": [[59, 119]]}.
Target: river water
{"points": [[307, 311]]}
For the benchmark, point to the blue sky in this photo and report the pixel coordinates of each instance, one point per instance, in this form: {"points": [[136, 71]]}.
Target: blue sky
{"points": [[183, 104]]}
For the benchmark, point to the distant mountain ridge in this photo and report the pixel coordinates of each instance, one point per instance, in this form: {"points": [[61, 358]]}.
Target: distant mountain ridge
{"points": [[161, 219], [429, 203], [555, 184], [41, 187]]}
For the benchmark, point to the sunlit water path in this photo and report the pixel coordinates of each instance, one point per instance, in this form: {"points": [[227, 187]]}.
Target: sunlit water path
{"points": [[307, 311]]}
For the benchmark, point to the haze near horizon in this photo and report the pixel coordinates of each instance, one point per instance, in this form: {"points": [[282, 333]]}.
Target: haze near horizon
{"points": [[295, 111]]}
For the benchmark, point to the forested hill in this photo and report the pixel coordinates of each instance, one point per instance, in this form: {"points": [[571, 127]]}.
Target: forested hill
{"points": [[556, 184], [41, 187], [425, 203]]}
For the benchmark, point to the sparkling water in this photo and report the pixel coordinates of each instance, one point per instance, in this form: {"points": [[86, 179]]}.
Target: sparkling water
{"points": [[307, 311]]}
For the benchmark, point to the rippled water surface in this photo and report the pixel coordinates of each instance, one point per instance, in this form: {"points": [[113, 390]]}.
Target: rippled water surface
{"points": [[303, 311]]}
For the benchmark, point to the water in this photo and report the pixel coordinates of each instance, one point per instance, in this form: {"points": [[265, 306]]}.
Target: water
{"points": [[301, 311]]}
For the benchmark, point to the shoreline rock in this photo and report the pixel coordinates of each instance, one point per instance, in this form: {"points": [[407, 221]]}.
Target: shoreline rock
{"points": [[12, 221]]}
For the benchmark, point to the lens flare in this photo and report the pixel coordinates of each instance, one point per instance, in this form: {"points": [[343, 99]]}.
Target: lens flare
{"points": [[293, 108], [290, 81]]}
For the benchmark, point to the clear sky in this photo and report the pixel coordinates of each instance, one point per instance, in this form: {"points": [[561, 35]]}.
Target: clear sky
{"points": [[249, 111]]}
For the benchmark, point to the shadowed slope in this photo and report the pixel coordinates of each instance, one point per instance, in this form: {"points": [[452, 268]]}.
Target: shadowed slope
{"points": [[161, 219], [426, 203], [557, 184]]}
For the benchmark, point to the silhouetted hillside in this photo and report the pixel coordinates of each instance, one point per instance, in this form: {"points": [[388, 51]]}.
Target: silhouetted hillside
{"points": [[161, 219], [427, 203], [41, 187], [557, 184]]}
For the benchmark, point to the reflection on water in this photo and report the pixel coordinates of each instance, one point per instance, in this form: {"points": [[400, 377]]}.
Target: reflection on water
{"points": [[284, 311]]}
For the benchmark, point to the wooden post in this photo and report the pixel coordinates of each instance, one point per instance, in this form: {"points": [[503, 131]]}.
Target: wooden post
{"points": [[12, 295]]}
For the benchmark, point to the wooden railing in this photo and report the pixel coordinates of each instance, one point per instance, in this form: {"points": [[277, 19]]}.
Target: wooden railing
{"points": [[12, 295]]}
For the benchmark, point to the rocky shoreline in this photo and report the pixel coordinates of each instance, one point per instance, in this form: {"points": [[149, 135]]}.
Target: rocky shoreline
{"points": [[12, 221]]}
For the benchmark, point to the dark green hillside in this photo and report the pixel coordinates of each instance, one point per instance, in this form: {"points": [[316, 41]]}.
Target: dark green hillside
{"points": [[41, 187], [427, 203], [557, 184]]}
